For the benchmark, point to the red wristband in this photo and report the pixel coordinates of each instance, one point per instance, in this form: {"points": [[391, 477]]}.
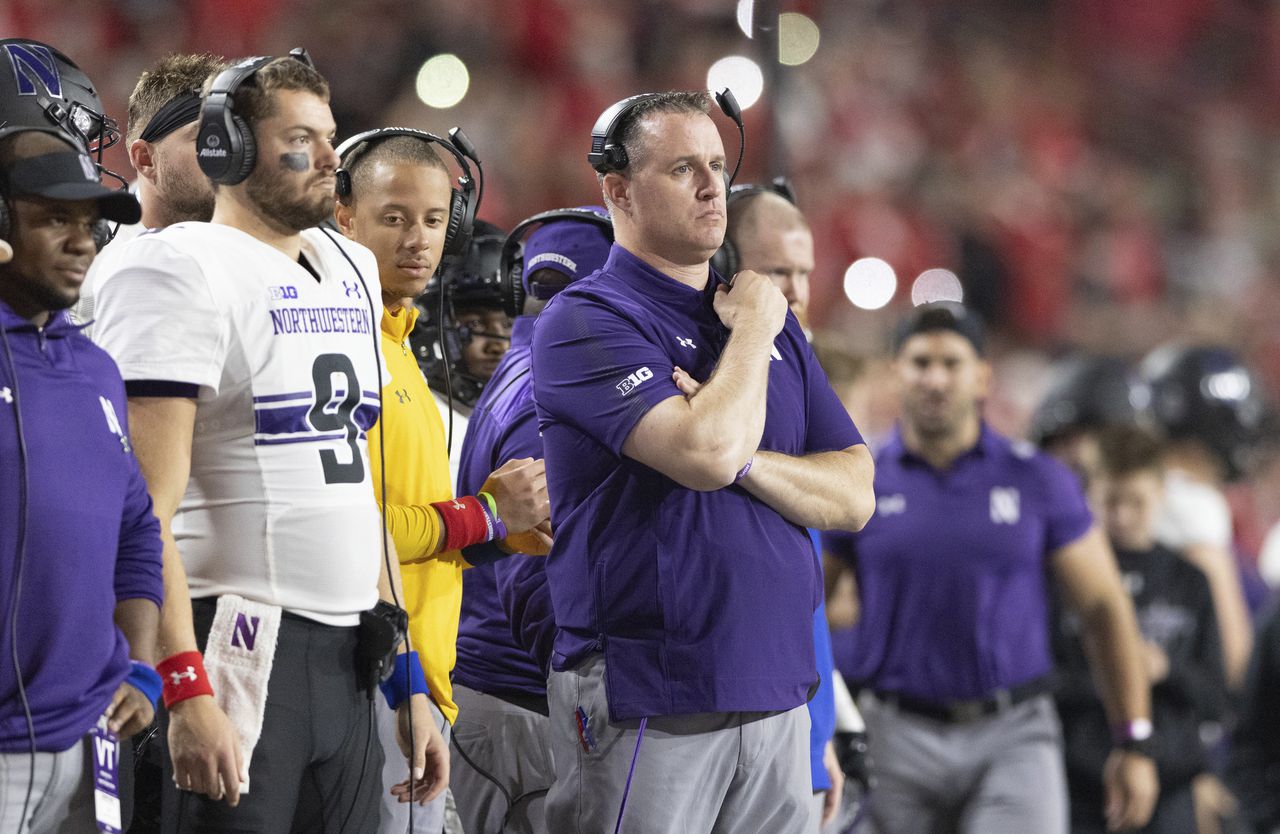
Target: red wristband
{"points": [[184, 677], [465, 522]]}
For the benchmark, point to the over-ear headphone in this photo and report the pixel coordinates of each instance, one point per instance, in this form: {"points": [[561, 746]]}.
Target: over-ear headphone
{"points": [[225, 146], [102, 232], [608, 153], [464, 201], [725, 261], [511, 270]]}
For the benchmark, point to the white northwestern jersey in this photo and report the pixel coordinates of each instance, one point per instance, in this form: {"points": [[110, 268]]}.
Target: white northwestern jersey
{"points": [[279, 507], [104, 263], [461, 419]]}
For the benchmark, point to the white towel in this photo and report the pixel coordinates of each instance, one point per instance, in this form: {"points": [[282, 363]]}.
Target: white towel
{"points": [[238, 660]]}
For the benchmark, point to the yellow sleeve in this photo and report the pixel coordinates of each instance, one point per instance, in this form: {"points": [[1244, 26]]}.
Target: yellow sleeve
{"points": [[416, 529]]}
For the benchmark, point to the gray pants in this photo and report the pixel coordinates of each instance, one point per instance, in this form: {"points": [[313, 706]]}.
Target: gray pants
{"points": [[512, 745], [712, 772], [393, 815], [61, 795], [997, 775]]}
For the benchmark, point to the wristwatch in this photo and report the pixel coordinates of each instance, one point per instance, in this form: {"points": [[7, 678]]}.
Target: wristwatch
{"points": [[1136, 735]]}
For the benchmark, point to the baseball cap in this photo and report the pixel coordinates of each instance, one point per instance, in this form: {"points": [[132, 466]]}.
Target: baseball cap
{"points": [[942, 315], [68, 175], [573, 247]]}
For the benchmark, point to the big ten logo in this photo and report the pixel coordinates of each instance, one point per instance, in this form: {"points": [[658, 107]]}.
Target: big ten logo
{"points": [[635, 380], [283, 292]]}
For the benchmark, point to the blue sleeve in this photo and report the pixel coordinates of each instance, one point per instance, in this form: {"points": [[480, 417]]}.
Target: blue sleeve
{"points": [[822, 706], [139, 573], [596, 370], [1067, 515]]}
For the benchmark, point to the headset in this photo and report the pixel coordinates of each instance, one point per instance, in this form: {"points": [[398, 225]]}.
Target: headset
{"points": [[225, 147], [609, 154], [511, 268], [464, 201], [725, 261]]}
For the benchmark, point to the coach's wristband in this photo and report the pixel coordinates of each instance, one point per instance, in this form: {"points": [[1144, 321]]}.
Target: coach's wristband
{"points": [[742, 473], [407, 679], [184, 677], [146, 680], [499, 530]]}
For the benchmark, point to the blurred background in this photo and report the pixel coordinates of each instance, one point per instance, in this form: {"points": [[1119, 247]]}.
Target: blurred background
{"points": [[1096, 174]]}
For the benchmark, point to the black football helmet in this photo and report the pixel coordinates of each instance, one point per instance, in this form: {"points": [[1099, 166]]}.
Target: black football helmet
{"points": [[1207, 394], [43, 89], [470, 280], [1087, 393]]}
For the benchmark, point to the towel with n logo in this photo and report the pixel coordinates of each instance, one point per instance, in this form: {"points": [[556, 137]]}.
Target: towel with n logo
{"points": [[238, 659]]}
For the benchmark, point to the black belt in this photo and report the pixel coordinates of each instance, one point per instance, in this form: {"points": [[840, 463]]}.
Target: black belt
{"points": [[960, 712]]}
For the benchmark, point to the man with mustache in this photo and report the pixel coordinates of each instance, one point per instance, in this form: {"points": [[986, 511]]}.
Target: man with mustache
{"points": [[248, 346]]}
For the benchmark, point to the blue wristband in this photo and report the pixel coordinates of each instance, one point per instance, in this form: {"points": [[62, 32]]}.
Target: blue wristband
{"points": [[146, 680], [407, 679]]}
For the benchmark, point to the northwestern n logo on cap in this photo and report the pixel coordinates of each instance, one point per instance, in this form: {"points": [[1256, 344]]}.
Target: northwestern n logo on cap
{"points": [[34, 64]]}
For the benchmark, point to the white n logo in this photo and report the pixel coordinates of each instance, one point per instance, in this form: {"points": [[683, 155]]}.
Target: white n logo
{"points": [[1005, 505]]}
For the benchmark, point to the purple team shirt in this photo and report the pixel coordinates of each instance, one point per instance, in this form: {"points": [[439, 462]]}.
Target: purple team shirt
{"points": [[952, 569], [505, 609], [91, 537], [700, 601]]}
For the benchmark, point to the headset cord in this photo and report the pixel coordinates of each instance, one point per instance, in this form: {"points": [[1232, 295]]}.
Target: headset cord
{"points": [[23, 470], [376, 328], [448, 375]]}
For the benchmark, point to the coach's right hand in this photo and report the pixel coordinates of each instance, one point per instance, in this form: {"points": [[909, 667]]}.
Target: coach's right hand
{"points": [[754, 300], [519, 488], [205, 749]]}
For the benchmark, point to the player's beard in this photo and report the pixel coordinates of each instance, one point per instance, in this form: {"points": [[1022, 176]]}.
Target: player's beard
{"points": [[185, 199], [275, 194]]}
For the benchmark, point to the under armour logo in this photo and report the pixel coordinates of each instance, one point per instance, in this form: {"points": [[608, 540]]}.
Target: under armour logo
{"points": [[6, 395], [352, 288], [1005, 505], [190, 675], [685, 342], [891, 504], [402, 395], [458, 505]]}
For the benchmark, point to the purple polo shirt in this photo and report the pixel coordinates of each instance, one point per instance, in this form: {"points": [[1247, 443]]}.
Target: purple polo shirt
{"points": [[952, 569], [700, 601], [492, 655], [91, 537]]}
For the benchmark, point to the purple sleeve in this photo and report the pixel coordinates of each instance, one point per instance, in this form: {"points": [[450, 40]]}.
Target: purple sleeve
{"points": [[830, 427], [138, 557], [596, 370], [1067, 515]]}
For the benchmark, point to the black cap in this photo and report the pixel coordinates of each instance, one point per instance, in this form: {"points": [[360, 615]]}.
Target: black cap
{"points": [[942, 315], [67, 175]]}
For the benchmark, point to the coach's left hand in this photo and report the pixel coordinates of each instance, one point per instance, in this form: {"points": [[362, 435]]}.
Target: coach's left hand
{"points": [[129, 711], [1131, 789], [429, 758]]}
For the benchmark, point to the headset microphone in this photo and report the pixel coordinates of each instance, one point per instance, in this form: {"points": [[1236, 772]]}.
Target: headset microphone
{"points": [[467, 149], [729, 105]]}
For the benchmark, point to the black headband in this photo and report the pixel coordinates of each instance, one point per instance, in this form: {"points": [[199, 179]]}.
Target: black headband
{"points": [[181, 110]]}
